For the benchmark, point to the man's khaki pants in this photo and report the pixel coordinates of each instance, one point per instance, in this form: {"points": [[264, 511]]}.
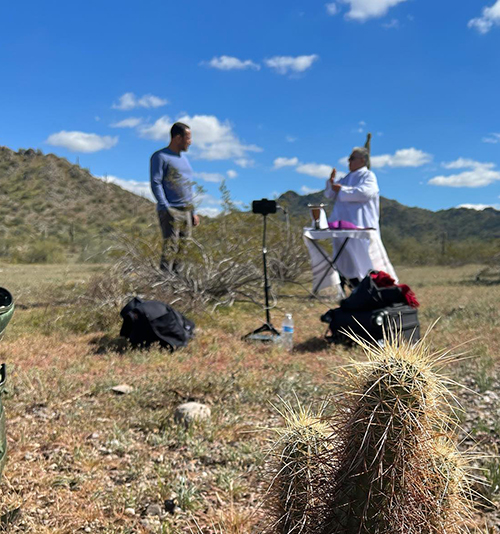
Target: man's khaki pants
{"points": [[176, 225]]}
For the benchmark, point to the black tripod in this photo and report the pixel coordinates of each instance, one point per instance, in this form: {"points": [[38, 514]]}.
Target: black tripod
{"points": [[266, 332]]}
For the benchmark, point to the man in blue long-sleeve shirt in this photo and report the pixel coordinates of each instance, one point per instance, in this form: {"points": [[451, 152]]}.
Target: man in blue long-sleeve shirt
{"points": [[171, 183]]}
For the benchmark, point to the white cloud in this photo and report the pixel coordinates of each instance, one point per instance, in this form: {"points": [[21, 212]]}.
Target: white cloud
{"points": [[212, 177], [393, 23], [208, 211], [81, 141], [308, 190], [244, 163], [332, 8], [362, 10], [130, 101], [360, 128], [318, 170], [478, 174], [231, 174], [208, 205], [490, 17], [494, 138], [479, 207], [286, 64], [464, 163], [151, 101], [212, 139], [279, 163], [143, 189], [231, 63], [405, 157], [159, 131], [132, 122], [290, 139]]}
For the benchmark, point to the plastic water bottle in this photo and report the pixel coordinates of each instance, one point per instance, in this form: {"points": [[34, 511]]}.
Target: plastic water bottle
{"points": [[287, 332]]}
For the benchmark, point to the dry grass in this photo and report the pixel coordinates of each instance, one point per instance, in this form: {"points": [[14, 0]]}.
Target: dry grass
{"points": [[82, 459]]}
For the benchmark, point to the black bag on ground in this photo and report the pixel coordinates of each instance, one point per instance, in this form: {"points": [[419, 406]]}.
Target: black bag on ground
{"points": [[370, 324], [151, 321], [368, 296]]}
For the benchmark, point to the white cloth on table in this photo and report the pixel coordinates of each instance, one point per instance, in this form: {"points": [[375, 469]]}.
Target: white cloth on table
{"points": [[358, 203], [375, 259], [323, 274]]}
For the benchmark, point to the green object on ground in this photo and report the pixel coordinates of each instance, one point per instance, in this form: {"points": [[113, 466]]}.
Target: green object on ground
{"points": [[6, 309], [6, 312], [3, 436]]}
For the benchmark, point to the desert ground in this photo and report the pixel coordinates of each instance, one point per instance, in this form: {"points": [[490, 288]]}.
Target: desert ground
{"points": [[84, 459]]}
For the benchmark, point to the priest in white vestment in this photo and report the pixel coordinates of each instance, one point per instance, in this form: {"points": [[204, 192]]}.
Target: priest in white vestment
{"points": [[356, 200]]}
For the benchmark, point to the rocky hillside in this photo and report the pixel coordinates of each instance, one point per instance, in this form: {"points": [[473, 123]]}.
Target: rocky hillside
{"points": [[46, 198]]}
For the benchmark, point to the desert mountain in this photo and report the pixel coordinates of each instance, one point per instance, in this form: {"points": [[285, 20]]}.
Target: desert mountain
{"points": [[44, 197], [49, 206]]}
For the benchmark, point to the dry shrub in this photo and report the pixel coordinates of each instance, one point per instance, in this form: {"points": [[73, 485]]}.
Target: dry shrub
{"points": [[288, 256], [221, 265], [203, 275], [392, 462]]}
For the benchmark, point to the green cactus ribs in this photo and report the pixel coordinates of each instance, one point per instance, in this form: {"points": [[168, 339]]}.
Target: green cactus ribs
{"points": [[385, 461]]}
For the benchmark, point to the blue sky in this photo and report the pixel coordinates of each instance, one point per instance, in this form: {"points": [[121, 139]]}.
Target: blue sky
{"points": [[276, 92]]}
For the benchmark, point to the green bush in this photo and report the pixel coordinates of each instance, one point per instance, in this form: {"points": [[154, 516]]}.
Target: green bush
{"points": [[46, 251]]}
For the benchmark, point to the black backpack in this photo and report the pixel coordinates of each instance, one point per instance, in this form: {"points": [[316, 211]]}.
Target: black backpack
{"points": [[151, 321]]}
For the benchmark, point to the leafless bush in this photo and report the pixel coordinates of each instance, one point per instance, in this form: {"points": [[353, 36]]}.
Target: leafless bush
{"points": [[204, 275], [288, 257], [221, 265]]}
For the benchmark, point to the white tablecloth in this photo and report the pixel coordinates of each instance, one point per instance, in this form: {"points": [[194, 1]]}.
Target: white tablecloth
{"points": [[377, 258]]}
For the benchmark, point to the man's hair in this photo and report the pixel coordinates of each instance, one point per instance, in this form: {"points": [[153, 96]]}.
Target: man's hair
{"points": [[179, 128], [361, 151]]}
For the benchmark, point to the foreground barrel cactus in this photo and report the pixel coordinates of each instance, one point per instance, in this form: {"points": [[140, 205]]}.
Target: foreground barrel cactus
{"points": [[6, 311], [300, 444], [390, 463]]}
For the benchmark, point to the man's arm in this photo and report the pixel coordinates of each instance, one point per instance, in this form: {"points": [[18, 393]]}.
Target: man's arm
{"points": [[156, 174], [363, 192]]}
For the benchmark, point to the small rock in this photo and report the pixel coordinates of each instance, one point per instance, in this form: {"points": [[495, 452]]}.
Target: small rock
{"points": [[129, 511], [191, 411], [146, 525], [122, 389], [154, 509]]}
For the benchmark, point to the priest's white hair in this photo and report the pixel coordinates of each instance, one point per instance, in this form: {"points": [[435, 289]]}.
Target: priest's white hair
{"points": [[361, 151]]}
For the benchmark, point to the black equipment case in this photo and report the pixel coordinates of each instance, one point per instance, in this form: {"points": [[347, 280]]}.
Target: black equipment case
{"points": [[370, 325]]}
